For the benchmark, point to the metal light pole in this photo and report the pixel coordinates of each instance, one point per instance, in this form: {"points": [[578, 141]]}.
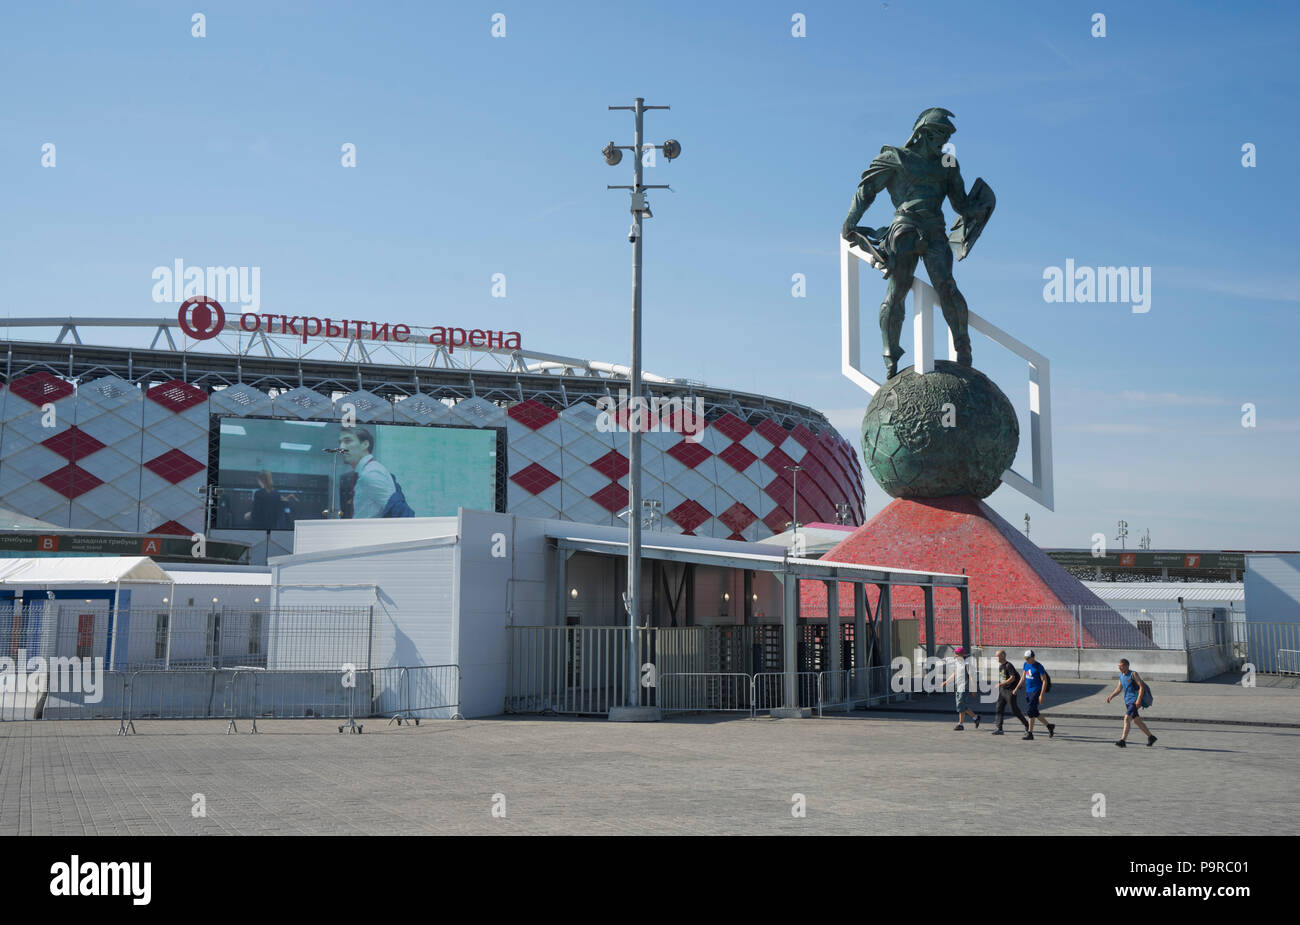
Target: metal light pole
{"points": [[1122, 534], [640, 211], [794, 514]]}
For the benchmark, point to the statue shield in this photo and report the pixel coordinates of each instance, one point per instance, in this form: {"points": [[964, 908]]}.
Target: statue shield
{"points": [[966, 230]]}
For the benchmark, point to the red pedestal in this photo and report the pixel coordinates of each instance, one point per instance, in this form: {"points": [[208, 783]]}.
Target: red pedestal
{"points": [[1024, 597]]}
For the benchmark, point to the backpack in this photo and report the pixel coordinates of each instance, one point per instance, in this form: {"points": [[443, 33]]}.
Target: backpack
{"points": [[397, 506], [1146, 693]]}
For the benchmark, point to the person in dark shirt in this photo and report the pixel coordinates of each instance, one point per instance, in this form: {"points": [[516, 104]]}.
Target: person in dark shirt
{"points": [[1007, 687], [268, 504]]}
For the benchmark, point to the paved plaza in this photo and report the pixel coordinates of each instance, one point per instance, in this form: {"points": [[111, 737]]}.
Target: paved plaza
{"points": [[862, 773]]}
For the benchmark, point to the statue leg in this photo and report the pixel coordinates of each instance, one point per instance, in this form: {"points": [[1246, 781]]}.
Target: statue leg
{"points": [[894, 309], [938, 263]]}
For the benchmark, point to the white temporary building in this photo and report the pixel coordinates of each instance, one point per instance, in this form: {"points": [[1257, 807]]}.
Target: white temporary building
{"points": [[447, 590], [1273, 587], [130, 610]]}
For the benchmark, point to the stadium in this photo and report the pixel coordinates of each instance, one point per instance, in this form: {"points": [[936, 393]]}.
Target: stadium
{"points": [[102, 434]]}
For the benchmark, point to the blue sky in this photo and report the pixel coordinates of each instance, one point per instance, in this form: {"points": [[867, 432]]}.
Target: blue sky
{"points": [[479, 155]]}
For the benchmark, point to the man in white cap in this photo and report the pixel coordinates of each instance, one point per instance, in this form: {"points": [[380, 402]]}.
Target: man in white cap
{"points": [[1036, 682]]}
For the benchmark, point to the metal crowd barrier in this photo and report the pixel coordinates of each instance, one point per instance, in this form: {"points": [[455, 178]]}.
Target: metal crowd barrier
{"points": [[833, 689], [408, 693], [438, 688], [705, 692], [770, 692], [29, 697]]}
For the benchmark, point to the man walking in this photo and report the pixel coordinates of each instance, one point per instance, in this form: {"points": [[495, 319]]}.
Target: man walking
{"points": [[961, 675], [1007, 687], [1036, 682], [1130, 682]]}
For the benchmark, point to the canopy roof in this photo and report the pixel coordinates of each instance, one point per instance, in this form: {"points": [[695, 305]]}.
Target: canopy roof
{"points": [[80, 570]]}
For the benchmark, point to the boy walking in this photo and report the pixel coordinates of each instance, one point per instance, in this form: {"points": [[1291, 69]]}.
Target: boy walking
{"points": [[1007, 687], [1036, 681], [1130, 682], [962, 677]]}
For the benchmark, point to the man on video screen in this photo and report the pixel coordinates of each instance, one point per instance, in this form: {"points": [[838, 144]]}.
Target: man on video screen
{"points": [[375, 492]]}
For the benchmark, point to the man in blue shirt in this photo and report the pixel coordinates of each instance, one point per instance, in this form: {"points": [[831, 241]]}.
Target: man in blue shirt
{"points": [[1130, 682], [1036, 681]]}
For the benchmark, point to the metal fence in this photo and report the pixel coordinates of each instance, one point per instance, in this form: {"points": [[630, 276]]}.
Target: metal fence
{"points": [[770, 691], [705, 692], [407, 693], [583, 669], [173, 638], [1269, 647]]}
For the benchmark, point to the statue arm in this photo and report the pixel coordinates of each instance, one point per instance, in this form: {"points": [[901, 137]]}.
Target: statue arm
{"points": [[874, 179]]}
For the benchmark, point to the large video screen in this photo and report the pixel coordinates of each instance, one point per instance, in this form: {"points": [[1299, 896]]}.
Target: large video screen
{"points": [[272, 472]]}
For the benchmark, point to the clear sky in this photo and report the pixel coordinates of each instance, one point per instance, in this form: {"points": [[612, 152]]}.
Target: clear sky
{"points": [[479, 155]]}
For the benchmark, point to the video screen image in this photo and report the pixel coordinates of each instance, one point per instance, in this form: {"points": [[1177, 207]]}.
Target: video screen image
{"points": [[273, 473]]}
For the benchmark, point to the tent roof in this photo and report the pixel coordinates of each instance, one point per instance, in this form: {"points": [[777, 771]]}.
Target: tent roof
{"points": [[80, 570], [1168, 591]]}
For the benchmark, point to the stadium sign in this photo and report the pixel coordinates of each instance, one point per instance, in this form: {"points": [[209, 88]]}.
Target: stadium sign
{"points": [[158, 546], [203, 318], [1151, 560]]}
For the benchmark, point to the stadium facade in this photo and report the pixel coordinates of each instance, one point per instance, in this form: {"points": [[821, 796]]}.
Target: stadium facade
{"points": [[118, 437]]}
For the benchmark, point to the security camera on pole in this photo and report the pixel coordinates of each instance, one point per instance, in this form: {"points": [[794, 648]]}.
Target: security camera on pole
{"points": [[632, 711]]}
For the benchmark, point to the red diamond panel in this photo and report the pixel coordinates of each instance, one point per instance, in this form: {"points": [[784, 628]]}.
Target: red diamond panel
{"points": [[71, 481], [779, 490], [685, 421], [737, 536], [737, 457], [737, 517], [776, 519], [532, 413], [688, 515], [689, 454], [771, 431], [732, 427], [778, 461], [535, 478], [174, 466], [645, 418], [73, 444], [805, 436], [177, 395], [39, 388], [613, 497], [172, 528], [613, 465]]}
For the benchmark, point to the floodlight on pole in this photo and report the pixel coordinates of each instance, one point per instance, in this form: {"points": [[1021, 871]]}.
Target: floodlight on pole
{"points": [[640, 209]]}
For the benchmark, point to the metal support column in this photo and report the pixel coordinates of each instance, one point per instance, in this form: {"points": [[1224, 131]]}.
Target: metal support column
{"points": [[834, 640], [964, 591], [931, 649], [790, 632]]}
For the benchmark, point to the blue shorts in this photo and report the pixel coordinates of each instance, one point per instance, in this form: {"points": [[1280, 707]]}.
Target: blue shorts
{"points": [[1031, 703], [1131, 709]]}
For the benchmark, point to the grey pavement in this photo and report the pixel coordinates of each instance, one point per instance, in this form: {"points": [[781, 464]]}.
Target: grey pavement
{"points": [[861, 773]]}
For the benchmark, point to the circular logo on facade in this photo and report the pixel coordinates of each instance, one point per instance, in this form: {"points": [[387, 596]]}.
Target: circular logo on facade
{"points": [[201, 317]]}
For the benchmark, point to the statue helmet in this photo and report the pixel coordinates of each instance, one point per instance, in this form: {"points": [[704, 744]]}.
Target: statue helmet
{"points": [[934, 120]]}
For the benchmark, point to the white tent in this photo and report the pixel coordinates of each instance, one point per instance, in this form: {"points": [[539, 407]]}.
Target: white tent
{"points": [[80, 570]]}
